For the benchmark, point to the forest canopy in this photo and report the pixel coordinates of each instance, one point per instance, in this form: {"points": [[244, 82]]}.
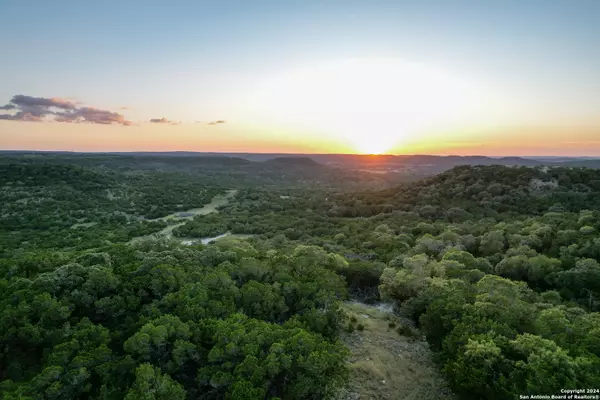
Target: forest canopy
{"points": [[497, 266]]}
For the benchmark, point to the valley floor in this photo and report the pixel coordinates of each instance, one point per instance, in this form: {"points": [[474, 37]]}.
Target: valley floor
{"points": [[385, 365]]}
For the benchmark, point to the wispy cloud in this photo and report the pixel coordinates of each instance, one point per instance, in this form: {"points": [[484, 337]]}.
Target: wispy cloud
{"points": [[220, 121], [163, 120], [92, 115], [29, 108], [21, 100], [21, 116]]}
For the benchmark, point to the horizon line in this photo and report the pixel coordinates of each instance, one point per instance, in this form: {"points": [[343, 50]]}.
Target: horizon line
{"points": [[287, 153]]}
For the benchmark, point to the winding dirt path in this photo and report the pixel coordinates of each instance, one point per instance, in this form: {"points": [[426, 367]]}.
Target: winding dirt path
{"points": [[385, 365]]}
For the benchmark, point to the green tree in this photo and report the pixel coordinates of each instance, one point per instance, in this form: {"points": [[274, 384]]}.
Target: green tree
{"points": [[151, 384]]}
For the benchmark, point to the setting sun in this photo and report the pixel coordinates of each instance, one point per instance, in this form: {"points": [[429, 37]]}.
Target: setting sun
{"points": [[372, 147], [372, 104]]}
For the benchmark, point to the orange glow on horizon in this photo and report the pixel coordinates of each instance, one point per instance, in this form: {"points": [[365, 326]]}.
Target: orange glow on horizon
{"points": [[525, 141]]}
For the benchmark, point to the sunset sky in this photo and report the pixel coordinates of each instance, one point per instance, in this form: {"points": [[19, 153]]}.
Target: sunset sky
{"points": [[314, 76]]}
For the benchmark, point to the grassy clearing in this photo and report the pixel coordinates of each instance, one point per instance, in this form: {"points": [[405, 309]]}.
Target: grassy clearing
{"points": [[175, 220], [386, 365], [83, 225]]}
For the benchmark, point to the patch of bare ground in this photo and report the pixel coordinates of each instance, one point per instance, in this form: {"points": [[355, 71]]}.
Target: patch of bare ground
{"points": [[385, 364]]}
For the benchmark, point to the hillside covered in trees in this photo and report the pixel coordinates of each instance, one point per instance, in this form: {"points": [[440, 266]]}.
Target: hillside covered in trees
{"points": [[497, 266]]}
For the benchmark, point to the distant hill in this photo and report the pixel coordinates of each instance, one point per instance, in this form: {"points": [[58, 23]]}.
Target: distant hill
{"points": [[294, 161], [581, 163], [484, 191], [220, 170], [396, 167], [560, 158]]}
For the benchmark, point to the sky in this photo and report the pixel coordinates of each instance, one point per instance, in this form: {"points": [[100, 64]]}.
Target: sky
{"points": [[496, 77]]}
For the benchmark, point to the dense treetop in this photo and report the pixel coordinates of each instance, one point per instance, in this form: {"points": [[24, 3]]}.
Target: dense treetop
{"points": [[498, 267]]}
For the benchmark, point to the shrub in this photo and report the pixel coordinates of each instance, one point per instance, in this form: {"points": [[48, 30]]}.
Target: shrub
{"points": [[405, 330]]}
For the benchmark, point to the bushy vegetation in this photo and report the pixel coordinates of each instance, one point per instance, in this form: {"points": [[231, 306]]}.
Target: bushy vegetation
{"points": [[470, 192], [506, 286], [200, 321], [56, 206], [498, 267]]}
